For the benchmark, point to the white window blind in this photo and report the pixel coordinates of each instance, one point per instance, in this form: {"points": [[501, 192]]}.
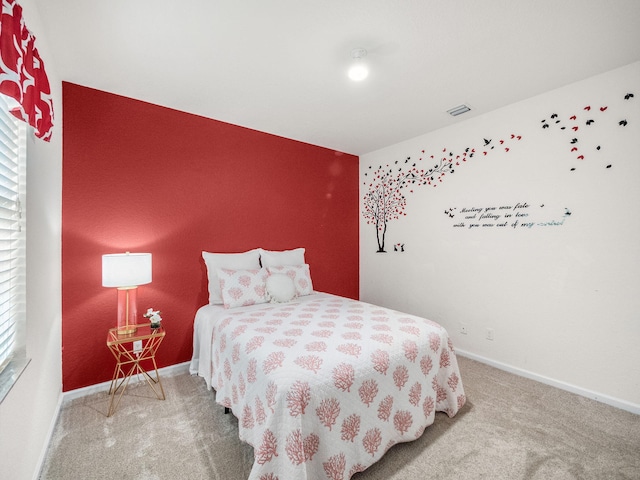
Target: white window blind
{"points": [[12, 247]]}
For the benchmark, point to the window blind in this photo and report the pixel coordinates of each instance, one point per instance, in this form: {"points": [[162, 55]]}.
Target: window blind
{"points": [[12, 236]]}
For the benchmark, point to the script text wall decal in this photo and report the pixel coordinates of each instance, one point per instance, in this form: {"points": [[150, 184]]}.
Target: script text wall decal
{"points": [[506, 216]]}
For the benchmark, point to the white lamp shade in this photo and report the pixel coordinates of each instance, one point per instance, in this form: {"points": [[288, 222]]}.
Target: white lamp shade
{"points": [[126, 269]]}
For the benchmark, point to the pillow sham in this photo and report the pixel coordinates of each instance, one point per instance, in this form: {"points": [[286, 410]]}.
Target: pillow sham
{"points": [[280, 288], [273, 258], [300, 275], [240, 288], [233, 261]]}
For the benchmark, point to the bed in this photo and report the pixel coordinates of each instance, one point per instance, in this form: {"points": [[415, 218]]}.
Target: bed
{"points": [[322, 385]]}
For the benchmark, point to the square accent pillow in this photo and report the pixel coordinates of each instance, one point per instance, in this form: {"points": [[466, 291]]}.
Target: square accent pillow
{"points": [[241, 288], [300, 275], [233, 261], [272, 258]]}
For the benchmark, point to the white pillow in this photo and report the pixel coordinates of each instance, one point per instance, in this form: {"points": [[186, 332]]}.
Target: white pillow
{"points": [[241, 288], [272, 258], [234, 261], [280, 288], [299, 274]]}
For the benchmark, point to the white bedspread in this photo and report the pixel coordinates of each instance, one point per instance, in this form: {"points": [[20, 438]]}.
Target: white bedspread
{"points": [[323, 386]]}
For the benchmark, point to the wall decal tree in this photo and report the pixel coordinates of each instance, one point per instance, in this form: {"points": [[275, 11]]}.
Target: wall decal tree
{"points": [[385, 199]]}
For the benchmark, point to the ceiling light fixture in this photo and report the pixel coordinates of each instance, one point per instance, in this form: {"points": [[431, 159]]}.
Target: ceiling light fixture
{"points": [[358, 70], [459, 110]]}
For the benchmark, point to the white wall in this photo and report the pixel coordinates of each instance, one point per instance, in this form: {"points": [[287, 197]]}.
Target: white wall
{"points": [[29, 410], [563, 301]]}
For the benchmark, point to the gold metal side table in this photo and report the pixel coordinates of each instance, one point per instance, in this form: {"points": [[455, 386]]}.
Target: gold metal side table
{"points": [[129, 350]]}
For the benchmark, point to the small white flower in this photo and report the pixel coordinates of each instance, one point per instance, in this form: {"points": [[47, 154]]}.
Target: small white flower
{"points": [[153, 315]]}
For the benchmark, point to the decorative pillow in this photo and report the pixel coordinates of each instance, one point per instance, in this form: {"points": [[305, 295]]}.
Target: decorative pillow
{"points": [[233, 261], [243, 287], [280, 288], [299, 274], [271, 258]]}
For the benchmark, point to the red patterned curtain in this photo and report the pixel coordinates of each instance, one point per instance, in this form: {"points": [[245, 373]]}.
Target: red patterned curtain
{"points": [[22, 75]]}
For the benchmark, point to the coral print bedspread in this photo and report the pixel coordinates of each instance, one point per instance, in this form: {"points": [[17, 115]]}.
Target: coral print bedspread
{"points": [[323, 386]]}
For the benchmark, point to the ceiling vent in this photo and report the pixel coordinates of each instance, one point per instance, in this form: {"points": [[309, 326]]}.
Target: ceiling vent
{"points": [[459, 110]]}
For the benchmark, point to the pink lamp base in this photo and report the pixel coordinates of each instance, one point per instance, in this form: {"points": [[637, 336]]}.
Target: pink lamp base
{"points": [[127, 310]]}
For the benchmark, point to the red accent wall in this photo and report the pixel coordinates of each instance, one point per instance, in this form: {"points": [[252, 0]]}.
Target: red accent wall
{"points": [[143, 178]]}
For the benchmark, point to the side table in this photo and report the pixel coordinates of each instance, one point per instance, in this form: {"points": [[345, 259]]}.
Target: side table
{"points": [[129, 350]]}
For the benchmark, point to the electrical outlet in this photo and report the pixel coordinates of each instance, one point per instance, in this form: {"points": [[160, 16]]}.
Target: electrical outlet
{"points": [[489, 333], [137, 346], [463, 328]]}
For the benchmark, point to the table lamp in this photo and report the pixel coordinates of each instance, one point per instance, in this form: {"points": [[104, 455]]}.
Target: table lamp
{"points": [[126, 271]]}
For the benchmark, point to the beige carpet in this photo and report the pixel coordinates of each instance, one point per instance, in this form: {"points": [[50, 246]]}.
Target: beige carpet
{"points": [[510, 428]]}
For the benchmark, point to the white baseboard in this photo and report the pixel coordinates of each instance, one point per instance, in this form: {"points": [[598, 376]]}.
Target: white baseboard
{"points": [[52, 426], [614, 402], [101, 387]]}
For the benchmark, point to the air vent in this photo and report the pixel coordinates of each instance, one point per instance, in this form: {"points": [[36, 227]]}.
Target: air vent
{"points": [[459, 110]]}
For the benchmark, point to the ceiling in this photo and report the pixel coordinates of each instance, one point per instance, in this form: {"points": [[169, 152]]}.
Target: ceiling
{"points": [[280, 66]]}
